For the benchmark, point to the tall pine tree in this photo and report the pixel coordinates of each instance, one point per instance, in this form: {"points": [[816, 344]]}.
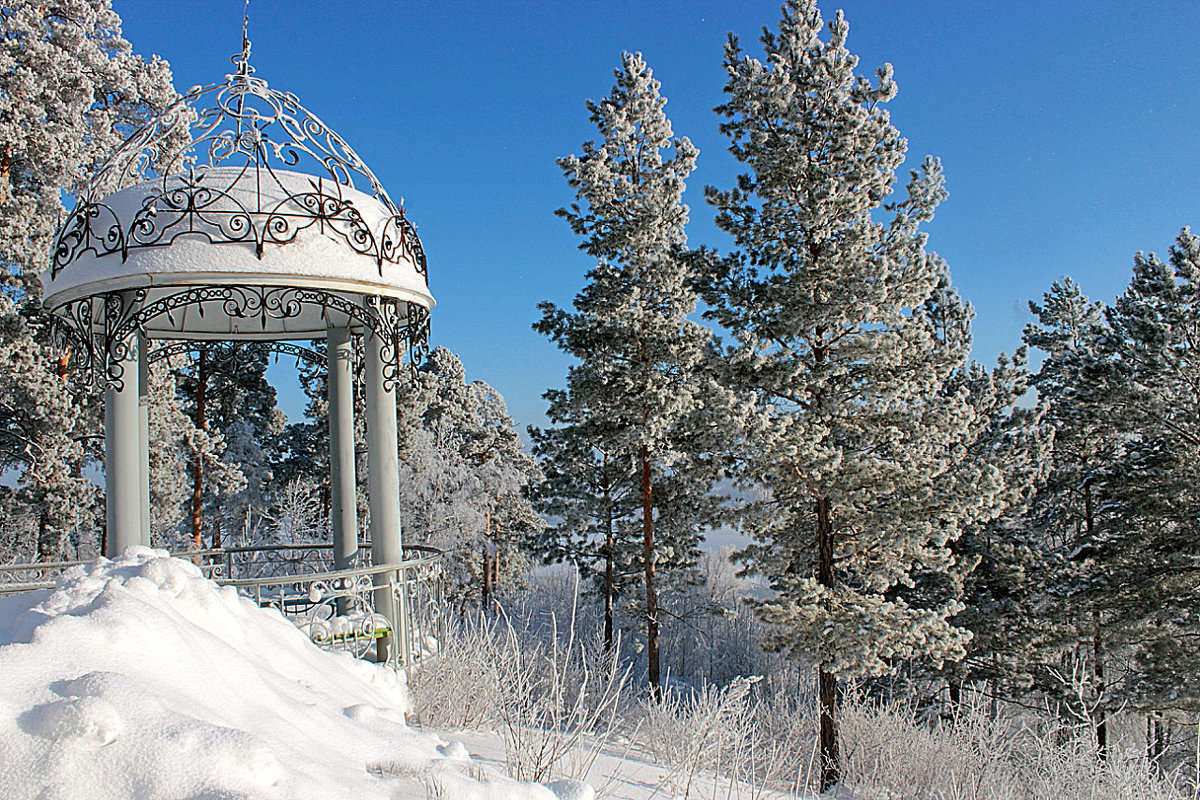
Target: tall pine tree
{"points": [[636, 398], [839, 319]]}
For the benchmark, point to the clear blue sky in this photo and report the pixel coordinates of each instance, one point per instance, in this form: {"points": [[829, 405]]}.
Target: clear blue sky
{"points": [[1069, 133]]}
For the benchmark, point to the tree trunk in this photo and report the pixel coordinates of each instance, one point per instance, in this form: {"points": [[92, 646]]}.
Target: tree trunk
{"points": [[1150, 738], [1098, 674], [1101, 721], [651, 597], [198, 467], [827, 681], [485, 594], [955, 687], [1156, 742], [215, 543], [49, 544], [830, 759], [608, 587], [495, 558], [608, 562]]}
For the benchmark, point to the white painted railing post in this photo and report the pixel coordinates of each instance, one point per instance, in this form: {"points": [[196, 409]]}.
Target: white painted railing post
{"points": [[143, 399]]}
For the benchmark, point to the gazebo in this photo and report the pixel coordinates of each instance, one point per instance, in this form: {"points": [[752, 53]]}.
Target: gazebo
{"points": [[236, 214]]}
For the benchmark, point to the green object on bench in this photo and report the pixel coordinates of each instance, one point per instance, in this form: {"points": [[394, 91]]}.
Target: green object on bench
{"points": [[360, 636]]}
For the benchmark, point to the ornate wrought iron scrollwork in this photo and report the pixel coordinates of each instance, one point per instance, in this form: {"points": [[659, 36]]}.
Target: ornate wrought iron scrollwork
{"points": [[417, 335], [104, 326], [238, 146], [169, 349], [186, 205], [227, 175]]}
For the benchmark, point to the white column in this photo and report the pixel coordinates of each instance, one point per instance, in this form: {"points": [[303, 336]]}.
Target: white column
{"points": [[122, 458], [143, 362], [342, 501], [383, 483]]}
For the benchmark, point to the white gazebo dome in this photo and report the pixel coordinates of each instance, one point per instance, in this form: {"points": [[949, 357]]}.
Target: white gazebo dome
{"points": [[250, 229], [241, 220]]}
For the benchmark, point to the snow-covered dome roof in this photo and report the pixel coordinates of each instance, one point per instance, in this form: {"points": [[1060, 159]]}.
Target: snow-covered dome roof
{"points": [[236, 213]]}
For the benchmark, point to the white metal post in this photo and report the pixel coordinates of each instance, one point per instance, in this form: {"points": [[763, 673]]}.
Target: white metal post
{"points": [[143, 387], [383, 477], [342, 501], [123, 456]]}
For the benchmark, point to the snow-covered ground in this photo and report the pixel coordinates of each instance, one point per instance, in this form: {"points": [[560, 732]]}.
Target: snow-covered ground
{"points": [[138, 678], [616, 772]]}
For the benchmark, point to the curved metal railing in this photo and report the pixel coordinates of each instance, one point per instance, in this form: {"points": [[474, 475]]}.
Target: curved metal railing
{"points": [[16, 578], [393, 613]]}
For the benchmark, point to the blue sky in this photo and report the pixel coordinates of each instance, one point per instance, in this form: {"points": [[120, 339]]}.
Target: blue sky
{"points": [[1069, 133]]}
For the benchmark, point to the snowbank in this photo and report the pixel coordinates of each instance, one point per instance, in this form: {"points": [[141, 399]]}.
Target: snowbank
{"points": [[139, 678]]}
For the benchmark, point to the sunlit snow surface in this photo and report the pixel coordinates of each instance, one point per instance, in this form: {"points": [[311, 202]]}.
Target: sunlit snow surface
{"points": [[139, 679]]}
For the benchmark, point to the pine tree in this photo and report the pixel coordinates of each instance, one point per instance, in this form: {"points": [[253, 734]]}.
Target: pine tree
{"points": [[828, 306], [234, 432], [44, 430], [593, 498], [71, 90], [997, 553], [1071, 508], [463, 477], [636, 398], [302, 449], [1140, 567], [172, 436]]}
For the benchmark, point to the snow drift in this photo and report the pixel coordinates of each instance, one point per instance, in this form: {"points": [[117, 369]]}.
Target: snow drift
{"points": [[140, 678]]}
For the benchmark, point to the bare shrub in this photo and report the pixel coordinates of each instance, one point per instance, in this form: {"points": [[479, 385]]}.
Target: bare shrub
{"points": [[555, 698], [889, 753], [707, 731]]}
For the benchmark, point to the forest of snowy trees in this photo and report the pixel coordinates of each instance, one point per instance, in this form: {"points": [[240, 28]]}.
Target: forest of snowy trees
{"points": [[919, 525]]}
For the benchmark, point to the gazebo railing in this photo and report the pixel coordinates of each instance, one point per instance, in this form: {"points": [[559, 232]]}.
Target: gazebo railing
{"points": [[262, 561], [16, 578], [393, 613]]}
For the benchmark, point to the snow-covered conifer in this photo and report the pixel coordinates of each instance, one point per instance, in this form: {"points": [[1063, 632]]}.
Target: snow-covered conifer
{"points": [[464, 476], [826, 297], [1140, 566], [1071, 508], [71, 90], [636, 399]]}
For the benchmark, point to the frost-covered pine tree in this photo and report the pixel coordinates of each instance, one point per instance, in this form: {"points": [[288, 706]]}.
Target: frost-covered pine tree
{"points": [[505, 473], [826, 298], [44, 428], [234, 431], [463, 477], [1071, 508], [637, 394], [172, 433], [70, 91], [1136, 568], [997, 552]]}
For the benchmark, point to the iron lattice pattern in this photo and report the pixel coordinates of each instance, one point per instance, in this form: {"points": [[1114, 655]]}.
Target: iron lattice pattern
{"points": [[244, 140], [398, 326]]}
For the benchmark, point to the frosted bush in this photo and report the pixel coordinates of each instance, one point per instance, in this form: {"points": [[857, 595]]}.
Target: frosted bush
{"points": [[889, 754], [556, 699]]}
